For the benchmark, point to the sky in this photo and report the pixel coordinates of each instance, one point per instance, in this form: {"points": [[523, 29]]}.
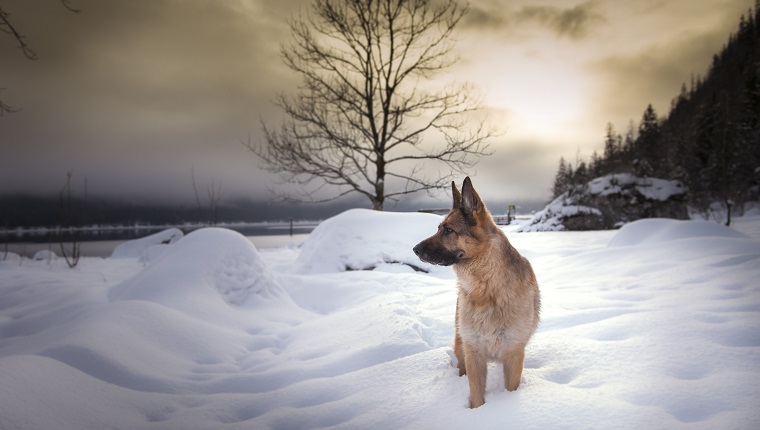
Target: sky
{"points": [[135, 95]]}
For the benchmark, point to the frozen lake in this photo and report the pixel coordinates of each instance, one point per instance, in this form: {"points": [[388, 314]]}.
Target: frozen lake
{"points": [[100, 242]]}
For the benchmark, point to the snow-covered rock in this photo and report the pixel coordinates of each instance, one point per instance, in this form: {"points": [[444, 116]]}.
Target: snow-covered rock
{"points": [[362, 239], [45, 255], [9, 257], [206, 265], [650, 188], [554, 216], [136, 248], [610, 202]]}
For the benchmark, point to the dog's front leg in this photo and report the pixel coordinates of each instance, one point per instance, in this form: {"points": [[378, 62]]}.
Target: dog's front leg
{"points": [[477, 370], [459, 353], [513, 367], [458, 346]]}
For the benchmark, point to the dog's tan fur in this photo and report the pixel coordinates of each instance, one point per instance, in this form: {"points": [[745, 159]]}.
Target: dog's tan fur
{"points": [[498, 300]]}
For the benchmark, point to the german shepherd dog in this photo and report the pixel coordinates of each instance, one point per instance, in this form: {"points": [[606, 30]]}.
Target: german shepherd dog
{"points": [[498, 299]]}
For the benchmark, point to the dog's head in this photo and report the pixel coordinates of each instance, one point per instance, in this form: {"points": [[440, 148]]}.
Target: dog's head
{"points": [[461, 235]]}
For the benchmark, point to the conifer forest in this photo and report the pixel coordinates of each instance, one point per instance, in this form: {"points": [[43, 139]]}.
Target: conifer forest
{"points": [[709, 140]]}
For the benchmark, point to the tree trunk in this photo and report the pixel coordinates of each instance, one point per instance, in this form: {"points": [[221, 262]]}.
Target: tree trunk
{"points": [[379, 198], [377, 202], [729, 203], [360, 105]]}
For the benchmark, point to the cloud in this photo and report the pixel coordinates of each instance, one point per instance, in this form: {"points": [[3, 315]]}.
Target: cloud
{"points": [[657, 72], [134, 93], [576, 22], [129, 92], [517, 170]]}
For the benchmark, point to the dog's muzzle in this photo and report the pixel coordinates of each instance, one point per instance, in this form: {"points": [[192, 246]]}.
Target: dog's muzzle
{"points": [[437, 256]]}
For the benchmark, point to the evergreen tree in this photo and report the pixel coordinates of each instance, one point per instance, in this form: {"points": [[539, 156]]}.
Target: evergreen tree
{"points": [[629, 142], [596, 166], [647, 143], [571, 178], [612, 148], [561, 180], [710, 139], [581, 175]]}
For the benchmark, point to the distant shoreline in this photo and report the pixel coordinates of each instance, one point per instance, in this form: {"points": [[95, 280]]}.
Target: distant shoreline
{"points": [[127, 232], [104, 248]]}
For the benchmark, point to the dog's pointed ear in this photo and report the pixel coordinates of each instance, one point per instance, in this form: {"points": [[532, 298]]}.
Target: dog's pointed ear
{"points": [[471, 202], [457, 196]]}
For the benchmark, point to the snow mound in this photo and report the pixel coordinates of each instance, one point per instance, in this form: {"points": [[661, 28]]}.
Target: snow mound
{"points": [[138, 247], [361, 239], [9, 257], [656, 230], [45, 255], [205, 263]]}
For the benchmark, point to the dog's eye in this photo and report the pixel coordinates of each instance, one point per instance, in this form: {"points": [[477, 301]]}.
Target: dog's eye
{"points": [[447, 230]]}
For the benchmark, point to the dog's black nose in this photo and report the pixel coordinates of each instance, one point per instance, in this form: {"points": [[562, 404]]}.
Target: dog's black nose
{"points": [[416, 250]]}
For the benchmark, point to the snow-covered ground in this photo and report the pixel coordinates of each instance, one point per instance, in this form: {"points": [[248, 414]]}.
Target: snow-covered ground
{"points": [[656, 325]]}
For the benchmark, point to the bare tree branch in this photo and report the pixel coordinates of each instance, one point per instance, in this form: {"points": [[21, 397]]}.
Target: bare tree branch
{"points": [[214, 194], [68, 6], [362, 111], [69, 221], [6, 108], [7, 27]]}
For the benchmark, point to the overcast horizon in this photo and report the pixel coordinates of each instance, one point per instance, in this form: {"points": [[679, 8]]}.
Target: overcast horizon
{"points": [[135, 95]]}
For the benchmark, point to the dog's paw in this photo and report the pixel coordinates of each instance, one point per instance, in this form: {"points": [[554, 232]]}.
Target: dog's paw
{"points": [[455, 363], [476, 403]]}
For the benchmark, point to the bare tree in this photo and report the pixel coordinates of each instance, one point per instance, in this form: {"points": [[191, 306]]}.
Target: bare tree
{"points": [[70, 222], [6, 108], [365, 103], [7, 27], [214, 194]]}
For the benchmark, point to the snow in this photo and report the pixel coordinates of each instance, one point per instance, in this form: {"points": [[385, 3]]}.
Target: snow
{"points": [[654, 231], [210, 263], [148, 247], [44, 255], [552, 217], [7, 256], [656, 325], [651, 188], [341, 242], [579, 202]]}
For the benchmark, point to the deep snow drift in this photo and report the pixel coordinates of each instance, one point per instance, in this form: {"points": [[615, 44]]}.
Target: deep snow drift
{"points": [[653, 326], [361, 239]]}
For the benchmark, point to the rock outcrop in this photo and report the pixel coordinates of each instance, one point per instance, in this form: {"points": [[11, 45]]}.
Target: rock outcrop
{"points": [[609, 202]]}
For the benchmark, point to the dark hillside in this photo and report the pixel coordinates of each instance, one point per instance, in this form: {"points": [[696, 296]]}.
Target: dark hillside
{"points": [[710, 139]]}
